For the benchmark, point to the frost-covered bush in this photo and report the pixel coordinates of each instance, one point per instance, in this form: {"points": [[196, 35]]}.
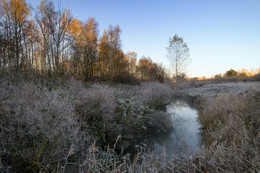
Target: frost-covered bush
{"points": [[74, 87], [38, 127], [130, 113], [5, 89], [96, 109], [155, 94], [139, 121], [97, 103]]}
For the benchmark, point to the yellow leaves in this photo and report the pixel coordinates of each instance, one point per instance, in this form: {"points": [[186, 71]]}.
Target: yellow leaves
{"points": [[65, 19], [75, 28], [87, 33], [90, 30], [19, 10], [16, 10]]}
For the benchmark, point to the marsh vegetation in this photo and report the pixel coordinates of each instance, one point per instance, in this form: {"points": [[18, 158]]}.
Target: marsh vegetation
{"points": [[73, 101], [71, 126]]}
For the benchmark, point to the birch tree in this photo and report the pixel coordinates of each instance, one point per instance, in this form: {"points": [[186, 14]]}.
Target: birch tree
{"points": [[178, 54]]}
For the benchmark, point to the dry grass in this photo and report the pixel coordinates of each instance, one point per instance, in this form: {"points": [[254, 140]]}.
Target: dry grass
{"points": [[232, 143], [38, 127], [231, 131], [41, 131], [155, 94], [229, 118]]}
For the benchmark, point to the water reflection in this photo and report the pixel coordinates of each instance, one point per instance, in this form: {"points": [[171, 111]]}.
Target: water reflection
{"points": [[186, 135]]}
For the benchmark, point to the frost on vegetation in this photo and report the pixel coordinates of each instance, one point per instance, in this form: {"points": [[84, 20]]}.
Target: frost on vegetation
{"points": [[229, 118], [42, 129], [139, 118], [130, 114], [217, 109], [74, 87], [155, 94], [210, 91], [230, 126], [5, 89], [97, 103], [38, 126], [129, 105], [96, 108]]}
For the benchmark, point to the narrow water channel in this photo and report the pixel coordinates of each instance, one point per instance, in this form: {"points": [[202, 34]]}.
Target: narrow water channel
{"points": [[185, 137]]}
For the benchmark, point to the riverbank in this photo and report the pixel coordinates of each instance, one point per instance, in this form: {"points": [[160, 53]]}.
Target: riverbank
{"points": [[229, 114], [209, 91], [230, 117], [45, 123], [69, 126]]}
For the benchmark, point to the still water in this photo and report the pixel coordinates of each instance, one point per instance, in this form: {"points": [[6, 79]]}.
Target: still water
{"points": [[185, 137]]}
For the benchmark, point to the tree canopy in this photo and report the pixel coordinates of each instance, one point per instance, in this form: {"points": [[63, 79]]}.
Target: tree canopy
{"points": [[230, 73], [179, 55], [52, 41]]}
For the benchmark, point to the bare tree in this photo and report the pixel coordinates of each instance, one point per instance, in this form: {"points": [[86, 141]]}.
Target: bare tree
{"points": [[90, 47], [14, 16], [178, 54], [50, 41], [53, 34]]}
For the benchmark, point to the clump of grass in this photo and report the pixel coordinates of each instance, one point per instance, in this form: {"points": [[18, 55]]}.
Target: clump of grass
{"points": [[98, 102], [38, 127], [112, 115], [227, 118], [230, 131], [96, 109], [139, 121], [155, 94], [217, 110], [217, 158]]}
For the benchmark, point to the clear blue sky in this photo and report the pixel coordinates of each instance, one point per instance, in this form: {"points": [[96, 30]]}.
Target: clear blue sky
{"points": [[221, 34]]}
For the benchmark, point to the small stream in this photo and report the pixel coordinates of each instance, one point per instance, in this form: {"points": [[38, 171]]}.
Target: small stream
{"points": [[185, 137]]}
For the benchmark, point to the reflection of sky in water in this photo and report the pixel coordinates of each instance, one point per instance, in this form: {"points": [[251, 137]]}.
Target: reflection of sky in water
{"points": [[186, 135]]}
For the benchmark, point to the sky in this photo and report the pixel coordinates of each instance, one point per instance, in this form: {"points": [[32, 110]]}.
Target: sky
{"points": [[221, 34]]}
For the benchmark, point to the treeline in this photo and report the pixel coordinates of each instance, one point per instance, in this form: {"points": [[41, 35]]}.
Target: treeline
{"points": [[50, 41]]}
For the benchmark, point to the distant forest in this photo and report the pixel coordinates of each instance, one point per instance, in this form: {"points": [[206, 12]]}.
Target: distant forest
{"points": [[50, 41]]}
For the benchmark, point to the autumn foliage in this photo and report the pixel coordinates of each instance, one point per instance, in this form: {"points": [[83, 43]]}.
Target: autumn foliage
{"points": [[51, 42]]}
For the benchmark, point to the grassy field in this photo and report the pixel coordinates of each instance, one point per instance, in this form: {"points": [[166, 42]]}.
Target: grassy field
{"points": [[61, 125]]}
